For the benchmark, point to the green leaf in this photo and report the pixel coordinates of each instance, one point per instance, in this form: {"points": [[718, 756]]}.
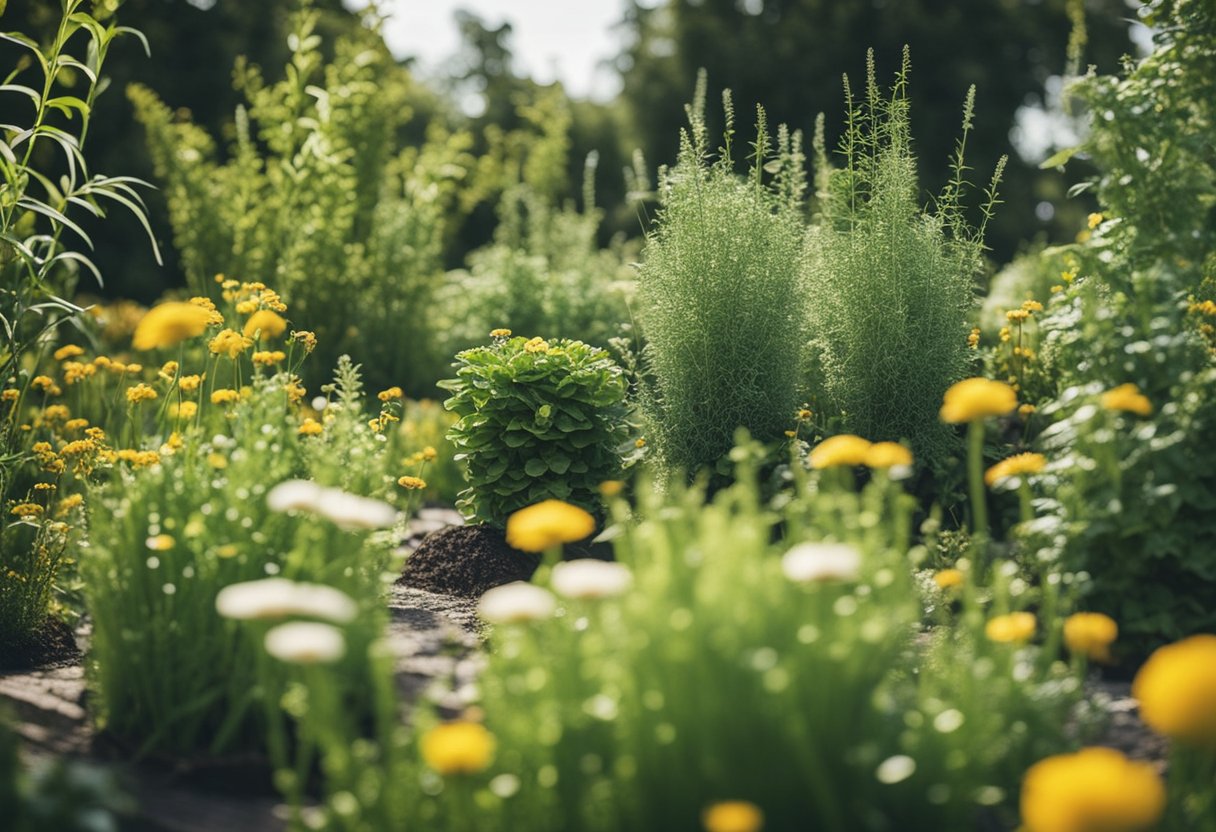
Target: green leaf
{"points": [[1058, 159]]}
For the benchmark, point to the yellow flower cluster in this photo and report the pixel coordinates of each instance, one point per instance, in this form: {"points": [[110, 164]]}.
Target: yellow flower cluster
{"points": [[225, 396], [537, 344], [229, 342], [412, 483], [140, 393], [847, 450], [308, 339], [214, 318], [391, 394], [265, 324], [67, 351], [500, 333], [268, 358], [310, 427]]}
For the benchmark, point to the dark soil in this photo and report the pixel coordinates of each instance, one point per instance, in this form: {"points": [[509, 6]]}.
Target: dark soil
{"points": [[466, 561], [52, 645]]}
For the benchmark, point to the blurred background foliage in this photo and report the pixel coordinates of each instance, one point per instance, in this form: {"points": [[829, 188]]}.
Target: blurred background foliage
{"points": [[789, 54]]}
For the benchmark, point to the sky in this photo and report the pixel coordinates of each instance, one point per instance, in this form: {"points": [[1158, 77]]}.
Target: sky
{"points": [[551, 39]]}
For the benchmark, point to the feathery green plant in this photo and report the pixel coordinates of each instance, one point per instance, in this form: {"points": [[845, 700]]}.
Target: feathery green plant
{"points": [[719, 295], [890, 285]]}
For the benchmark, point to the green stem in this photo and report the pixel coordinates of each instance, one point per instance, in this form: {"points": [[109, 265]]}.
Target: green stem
{"points": [[975, 477]]}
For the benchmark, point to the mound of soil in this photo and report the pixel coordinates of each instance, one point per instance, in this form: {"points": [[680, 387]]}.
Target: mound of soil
{"points": [[52, 645], [466, 561]]}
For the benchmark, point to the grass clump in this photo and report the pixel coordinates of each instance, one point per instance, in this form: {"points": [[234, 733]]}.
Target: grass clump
{"points": [[890, 285], [718, 295]]}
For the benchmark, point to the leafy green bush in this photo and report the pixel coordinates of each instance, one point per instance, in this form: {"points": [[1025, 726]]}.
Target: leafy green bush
{"points": [[890, 286], [719, 297], [315, 199], [1136, 494], [538, 420]]}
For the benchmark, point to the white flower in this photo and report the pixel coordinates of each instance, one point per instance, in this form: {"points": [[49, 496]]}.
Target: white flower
{"points": [[589, 578], [351, 511], [306, 642], [808, 562], [294, 495], [280, 597], [516, 602]]}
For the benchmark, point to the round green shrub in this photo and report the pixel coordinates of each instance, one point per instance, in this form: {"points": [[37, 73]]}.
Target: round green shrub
{"points": [[538, 420]]}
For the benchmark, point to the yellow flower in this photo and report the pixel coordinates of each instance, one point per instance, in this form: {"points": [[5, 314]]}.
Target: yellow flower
{"points": [[611, 488], [1026, 410], [225, 396], [169, 324], [74, 371], [160, 543], [412, 483], [1129, 398], [56, 413], [308, 339], [429, 454], [1055, 290], [45, 383], [229, 342], [1094, 221], [10, 395], [168, 370], [1014, 466], [217, 461], [977, 398], [390, 394], [214, 318], [74, 425], [1032, 306], [460, 747], [295, 390], [270, 324], [310, 427], [1014, 627], [1068, 276], [68, 503], [1093, 790], [887, 455], [226, 551], [184, 410], [537, 344], [1090, 634], [973, 340], [547, 524], [804, 415], [1176, 689], [500, 333], [188, 384], [26, 510], [68, 351], [733, 816], [639, 443], [845, 449], [140, 393], [948, 578], [268, 358]]}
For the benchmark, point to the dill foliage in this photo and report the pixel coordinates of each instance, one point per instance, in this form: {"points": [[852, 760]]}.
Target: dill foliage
{"points": [[890, 285], [718, 295]]}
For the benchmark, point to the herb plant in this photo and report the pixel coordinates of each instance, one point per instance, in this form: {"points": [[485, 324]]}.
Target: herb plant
{"points": [[720, 296], [890, 287], [538, 420]]}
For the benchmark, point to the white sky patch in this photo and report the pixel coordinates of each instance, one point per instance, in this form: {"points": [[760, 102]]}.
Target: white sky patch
{"points": [[566, 40]]}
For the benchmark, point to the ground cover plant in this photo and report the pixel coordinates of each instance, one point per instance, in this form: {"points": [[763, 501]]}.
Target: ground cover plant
{"points": [[873, 540]]}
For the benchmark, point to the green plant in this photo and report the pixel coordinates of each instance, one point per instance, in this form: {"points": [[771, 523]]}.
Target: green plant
{"points": [[719, 297], [424, 425], [315, 198], [46, 187], [890, 286], [538, 420], [545, 270], [1135, 492], [165, 538]]}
